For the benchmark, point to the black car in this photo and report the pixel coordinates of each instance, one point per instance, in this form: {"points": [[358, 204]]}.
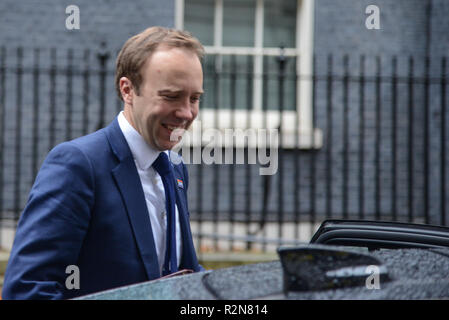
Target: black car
{"points": [[346, 259]]}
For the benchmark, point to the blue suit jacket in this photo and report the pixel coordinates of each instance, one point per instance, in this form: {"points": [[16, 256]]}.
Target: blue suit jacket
{"points": [[87, 208]]}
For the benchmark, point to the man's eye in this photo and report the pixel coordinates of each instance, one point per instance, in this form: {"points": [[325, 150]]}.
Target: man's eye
{"points": [[195, 99], [171, 98]]}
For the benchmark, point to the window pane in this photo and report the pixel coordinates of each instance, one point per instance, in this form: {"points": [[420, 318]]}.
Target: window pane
{"points": [[238, 22], [199, 20], [210, 83], [237, 82], [279, 23], [274, 82], [228, 82]]}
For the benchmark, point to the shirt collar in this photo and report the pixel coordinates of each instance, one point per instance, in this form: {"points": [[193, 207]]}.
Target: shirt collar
{"points": [[144, 154]]}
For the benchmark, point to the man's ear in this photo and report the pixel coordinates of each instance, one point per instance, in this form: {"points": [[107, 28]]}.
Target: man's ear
{"points": [[127, 90]]}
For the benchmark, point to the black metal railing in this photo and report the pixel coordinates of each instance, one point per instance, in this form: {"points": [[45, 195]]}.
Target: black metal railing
{"points": [[382, 121]]}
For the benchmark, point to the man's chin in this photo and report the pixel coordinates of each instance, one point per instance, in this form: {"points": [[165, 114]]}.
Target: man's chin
{"points": [[166, 145]]}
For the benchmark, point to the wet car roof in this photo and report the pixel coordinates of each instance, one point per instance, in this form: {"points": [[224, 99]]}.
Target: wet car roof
{"points": [[414, 274]]}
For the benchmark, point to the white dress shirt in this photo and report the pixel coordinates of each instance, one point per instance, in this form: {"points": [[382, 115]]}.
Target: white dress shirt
{"points": [[153, 189]]}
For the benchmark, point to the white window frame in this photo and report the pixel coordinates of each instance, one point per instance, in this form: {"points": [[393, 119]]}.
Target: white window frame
{"points": [[309, 137]]}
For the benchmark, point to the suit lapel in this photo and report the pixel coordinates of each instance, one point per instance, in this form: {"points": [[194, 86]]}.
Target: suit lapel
{"points": [[189, 259], [128, 182]]}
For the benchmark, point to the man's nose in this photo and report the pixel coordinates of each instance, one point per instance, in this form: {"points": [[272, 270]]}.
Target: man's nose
{"points": [[185, 112]]}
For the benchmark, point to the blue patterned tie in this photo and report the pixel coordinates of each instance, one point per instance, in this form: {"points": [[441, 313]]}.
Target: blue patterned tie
{"points": [[162, 166]]}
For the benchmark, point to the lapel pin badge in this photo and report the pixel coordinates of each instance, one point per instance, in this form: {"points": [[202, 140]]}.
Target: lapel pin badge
{"points": [[180, 183]]}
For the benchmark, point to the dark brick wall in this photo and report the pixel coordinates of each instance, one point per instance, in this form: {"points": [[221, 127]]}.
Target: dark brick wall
{"points": [[339, 30], [340, 27], [41, 24]]}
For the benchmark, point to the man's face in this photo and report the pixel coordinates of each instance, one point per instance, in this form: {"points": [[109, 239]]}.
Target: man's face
{"points": [[168, 96]]}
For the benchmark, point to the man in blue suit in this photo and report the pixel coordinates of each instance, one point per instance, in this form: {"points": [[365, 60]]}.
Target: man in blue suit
{"points": [[99, 203]]}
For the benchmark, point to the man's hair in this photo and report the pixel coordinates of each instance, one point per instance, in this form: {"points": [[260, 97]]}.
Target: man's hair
{"points": [[140, 47]]}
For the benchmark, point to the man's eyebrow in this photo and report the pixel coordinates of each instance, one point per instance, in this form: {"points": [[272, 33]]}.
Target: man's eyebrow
{"points": [[163, 91], [171, 91]]}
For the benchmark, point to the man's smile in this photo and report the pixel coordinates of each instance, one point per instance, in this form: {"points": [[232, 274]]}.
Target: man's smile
{"points": [[172, 127]]}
